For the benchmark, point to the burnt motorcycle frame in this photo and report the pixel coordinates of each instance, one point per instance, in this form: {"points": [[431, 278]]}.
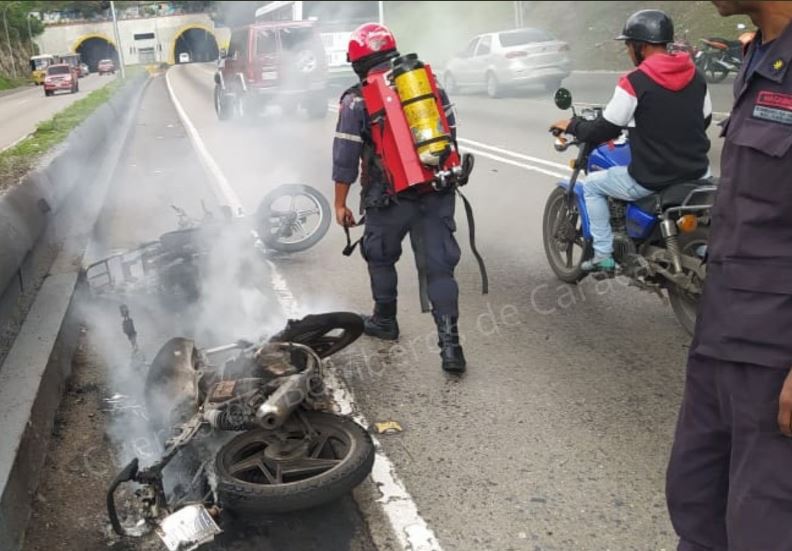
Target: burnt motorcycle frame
{"points": [[261, 404]]}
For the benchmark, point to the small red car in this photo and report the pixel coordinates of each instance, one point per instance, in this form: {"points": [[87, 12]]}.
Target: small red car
{"points": [[60, 77], [105, 66]]}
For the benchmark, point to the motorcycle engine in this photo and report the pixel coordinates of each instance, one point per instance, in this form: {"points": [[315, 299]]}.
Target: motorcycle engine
{"points": [[618, 215], [623, 248]]}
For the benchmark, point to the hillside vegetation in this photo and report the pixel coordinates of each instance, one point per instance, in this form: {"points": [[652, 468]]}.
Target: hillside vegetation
{"points": [[438, 30]]}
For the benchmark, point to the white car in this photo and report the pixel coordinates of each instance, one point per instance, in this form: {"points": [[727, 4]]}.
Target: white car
{"points": [[184, 57], [506, 59]]}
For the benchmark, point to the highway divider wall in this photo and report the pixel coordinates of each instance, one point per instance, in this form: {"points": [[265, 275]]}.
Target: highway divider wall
{"points": [[26, 208], [72, 186]]}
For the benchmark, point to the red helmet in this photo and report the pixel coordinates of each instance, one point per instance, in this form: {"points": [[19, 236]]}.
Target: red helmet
{"points": [[369, 39]]}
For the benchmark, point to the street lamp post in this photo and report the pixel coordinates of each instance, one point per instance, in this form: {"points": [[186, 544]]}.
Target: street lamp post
{"points": [[518, 14], [119, 48], [8, 39]]}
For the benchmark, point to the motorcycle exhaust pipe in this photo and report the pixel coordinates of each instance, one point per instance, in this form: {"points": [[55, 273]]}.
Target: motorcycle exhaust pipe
{"points": [[281, 403]]}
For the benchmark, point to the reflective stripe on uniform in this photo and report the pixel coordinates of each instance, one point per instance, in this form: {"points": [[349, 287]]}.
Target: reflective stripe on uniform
{"points": [[350, 137]]}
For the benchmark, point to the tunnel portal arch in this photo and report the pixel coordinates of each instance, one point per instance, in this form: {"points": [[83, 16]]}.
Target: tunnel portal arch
{"points": [[95, 47], [198, 41]]}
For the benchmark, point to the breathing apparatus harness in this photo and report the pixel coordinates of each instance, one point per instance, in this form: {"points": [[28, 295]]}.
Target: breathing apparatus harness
{"points": [[412, 142]]}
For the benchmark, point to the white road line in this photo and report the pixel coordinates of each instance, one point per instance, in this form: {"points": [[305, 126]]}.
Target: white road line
{"points": [[518, 164], [514, 154], [504, 160], [412, 531], [225, 193], [9, 146]]}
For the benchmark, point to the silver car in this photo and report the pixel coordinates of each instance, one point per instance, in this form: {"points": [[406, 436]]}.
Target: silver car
{"points": [[495, 61]]}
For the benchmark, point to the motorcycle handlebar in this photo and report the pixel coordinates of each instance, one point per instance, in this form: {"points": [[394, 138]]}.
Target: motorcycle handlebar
{"points": [[128, 474]]}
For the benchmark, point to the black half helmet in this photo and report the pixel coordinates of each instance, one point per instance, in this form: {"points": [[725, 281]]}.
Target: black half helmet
{"points": [[652, 26]]}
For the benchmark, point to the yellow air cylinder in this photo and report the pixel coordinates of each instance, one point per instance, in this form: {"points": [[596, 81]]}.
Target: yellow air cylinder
{"points": [[414, 88]]}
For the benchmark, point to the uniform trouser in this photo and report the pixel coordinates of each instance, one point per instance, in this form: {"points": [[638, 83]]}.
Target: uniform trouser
{"points": [[429, 219], [729, 481]]}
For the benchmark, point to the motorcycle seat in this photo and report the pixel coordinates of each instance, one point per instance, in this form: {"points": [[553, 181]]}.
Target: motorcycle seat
{"points": [[675, 195], [721, 43]]}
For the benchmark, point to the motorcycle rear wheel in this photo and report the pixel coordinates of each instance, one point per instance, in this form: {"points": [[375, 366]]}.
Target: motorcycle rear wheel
{"points": [[560, 249], [266, 472], [683, 303], [286, 229], [325, 334]]}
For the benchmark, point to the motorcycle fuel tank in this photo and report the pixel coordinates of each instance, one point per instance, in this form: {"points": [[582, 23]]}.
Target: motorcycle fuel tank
{"points": [[608, 155]]}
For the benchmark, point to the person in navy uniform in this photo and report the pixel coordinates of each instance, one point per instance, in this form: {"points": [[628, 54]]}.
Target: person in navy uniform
{"points": [[427, 216], [729, 480]]}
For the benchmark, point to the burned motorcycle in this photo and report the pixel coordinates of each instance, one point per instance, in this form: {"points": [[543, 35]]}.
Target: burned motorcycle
{"points": [[288, 454], [292, 218]]}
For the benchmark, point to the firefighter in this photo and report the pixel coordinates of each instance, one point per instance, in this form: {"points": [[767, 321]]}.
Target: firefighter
{"points": [[427, 215], [729, 483]]}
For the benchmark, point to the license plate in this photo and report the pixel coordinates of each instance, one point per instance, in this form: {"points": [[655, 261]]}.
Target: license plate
{"points": [[188, 528], [269, 75]]}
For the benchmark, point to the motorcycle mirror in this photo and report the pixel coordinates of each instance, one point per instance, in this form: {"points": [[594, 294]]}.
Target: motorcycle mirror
{"points": [[563, 99]]}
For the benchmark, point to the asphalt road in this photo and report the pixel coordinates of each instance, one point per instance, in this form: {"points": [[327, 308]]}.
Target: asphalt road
{"points": [[557, 438], [22, 110]]}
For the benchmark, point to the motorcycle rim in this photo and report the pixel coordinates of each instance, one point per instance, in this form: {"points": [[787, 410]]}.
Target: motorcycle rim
{"points": [[564, 245], [325, 334], [313, 459], [293, 218]]}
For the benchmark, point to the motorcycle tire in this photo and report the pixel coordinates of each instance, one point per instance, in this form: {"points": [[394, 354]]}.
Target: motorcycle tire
{"points": [[683, 304], [567, 270], [275, 240], [318, 332], [222, 104], [245, 489]]}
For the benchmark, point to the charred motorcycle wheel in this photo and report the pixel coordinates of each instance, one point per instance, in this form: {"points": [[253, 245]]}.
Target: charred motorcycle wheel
{"points": [[562, 234], [683, 303], [299, 466], [325, 334], [293, 218]]}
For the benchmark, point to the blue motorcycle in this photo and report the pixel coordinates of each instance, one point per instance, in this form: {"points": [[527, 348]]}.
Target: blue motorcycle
{"points": [[659, 241]]}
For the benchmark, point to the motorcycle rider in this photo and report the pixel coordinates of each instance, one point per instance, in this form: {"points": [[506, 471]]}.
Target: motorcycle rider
{"points": [[729, 484], [427, 215], [666, 107]]}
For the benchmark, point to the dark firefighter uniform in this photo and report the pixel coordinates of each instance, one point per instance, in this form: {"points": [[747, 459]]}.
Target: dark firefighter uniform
{"points": [[427, 216], [729, 481]]}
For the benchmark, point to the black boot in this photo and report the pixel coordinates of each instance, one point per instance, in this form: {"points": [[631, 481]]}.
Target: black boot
{"points": [[448, 341], [382, 324]]}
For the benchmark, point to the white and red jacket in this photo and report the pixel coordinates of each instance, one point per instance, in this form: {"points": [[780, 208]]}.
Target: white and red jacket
{"points": [[666, 107]]}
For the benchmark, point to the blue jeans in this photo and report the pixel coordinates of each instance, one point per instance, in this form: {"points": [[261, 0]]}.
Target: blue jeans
{"points": [[597, 187]]}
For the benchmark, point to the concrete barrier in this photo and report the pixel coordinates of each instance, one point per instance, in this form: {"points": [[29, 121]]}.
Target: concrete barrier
{"points": [[26, 208], [71, 186]]}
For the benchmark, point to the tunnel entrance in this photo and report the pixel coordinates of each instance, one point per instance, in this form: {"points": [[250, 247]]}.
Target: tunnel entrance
{"points": [[94, 49], [198, 44]]}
